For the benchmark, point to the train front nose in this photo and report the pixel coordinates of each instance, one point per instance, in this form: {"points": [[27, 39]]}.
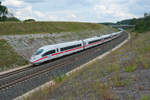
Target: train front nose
{"points": [[35, 59], [32, 59]]}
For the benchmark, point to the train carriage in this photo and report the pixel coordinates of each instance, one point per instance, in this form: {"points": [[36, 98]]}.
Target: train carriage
{"points": [[54, 51], [90, 42], [116, 34]]}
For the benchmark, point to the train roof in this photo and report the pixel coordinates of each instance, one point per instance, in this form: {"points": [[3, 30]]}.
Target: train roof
{"points": [[95, 38], [89, 39], [59, 45], [104, 36], [116, 33]]}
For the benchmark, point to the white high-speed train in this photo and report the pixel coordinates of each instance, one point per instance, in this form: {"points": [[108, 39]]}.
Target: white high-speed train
{"points": [[50, 52]]}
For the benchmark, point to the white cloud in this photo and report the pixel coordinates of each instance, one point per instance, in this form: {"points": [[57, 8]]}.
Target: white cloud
{"points": [[39, 14], [61, 16], [113, 10], [73, 16], [22, 10], [24, 13], [34, 1], [15, 3]]}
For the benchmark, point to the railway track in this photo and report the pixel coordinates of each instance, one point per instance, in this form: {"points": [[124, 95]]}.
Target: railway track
{"points": [[14, 72], [19, 76]]}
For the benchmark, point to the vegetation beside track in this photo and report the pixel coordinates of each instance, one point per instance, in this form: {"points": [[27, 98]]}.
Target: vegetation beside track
{"points": [[13, 28], [122, 75], [8, 57]]}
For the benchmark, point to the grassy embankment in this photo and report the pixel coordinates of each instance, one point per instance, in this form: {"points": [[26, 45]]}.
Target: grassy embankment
{"points": [[10, 59], [112, 78], [12, 28]]}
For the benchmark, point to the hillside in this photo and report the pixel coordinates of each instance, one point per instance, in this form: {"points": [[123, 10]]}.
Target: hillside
{"points": [[122, 75], [11, 28]]}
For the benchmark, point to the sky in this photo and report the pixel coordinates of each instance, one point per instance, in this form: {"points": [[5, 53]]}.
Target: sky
{"points": [[78, 10]]}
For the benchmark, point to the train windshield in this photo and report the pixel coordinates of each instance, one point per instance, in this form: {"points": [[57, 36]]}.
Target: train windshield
{"points": [[39, 51]]}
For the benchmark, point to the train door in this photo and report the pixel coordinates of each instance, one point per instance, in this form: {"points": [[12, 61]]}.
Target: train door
{"points": [[84, 44]]}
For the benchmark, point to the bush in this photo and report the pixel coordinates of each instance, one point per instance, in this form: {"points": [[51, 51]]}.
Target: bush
{"points": [[13, 19], [60, 78], [5, 18], [29, 20], [143, 24], [130, 68]]}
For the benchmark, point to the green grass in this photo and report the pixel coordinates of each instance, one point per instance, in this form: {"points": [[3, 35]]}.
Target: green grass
{"points": [[60, 78], [11, 28], [145, 97], [130, 68], [8, 57]]}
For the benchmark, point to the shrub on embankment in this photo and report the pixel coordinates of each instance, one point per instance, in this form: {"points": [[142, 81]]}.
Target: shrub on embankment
{"points": [[143, 24], [8, 57]]}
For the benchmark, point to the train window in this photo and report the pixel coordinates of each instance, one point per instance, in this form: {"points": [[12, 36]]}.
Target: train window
{"points": [[39, 51], [49, 52], [106, 37], [70, 47], [94, 41], [57, 50]]}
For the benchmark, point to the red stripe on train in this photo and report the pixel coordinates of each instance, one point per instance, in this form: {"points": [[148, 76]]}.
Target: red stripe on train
{"points": [[41, 59], [58, 53]]}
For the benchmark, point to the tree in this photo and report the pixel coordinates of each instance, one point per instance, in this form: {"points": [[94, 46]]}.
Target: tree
{"points": [[3, 10], [6, 15], [145, 14], [133, 21]]}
